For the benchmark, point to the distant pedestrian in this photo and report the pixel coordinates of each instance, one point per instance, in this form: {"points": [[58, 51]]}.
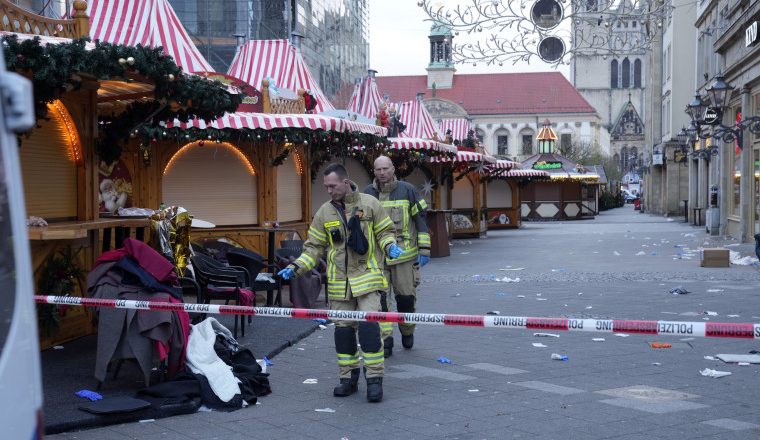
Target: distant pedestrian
{"points": [[357, 234], [407, 210]]}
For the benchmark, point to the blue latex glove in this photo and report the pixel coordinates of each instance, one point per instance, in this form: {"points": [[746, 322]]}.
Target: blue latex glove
{"points": [[90, 395], [394, 251], [423, 260], [286, 273]]}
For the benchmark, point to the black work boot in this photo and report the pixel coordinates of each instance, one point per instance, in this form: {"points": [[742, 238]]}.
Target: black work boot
{"points": [[348, 386], [407, 341], [388, 347], [374, 389]]}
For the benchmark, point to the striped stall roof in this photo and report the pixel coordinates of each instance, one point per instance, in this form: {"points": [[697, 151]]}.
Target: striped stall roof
{"points": [[420, 144], [149, 23], [467, 156], [419, 123], [267, 121], [505, 165], [526, 173], [459, 128], [282, 63], [353, 103], [366, 99]]}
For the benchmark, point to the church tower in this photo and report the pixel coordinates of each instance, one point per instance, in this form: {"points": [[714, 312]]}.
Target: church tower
{"points": [[441, 67], [610, 82]]}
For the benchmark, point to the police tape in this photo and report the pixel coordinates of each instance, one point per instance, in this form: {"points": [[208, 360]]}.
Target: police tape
{"points": [[673, 328]]}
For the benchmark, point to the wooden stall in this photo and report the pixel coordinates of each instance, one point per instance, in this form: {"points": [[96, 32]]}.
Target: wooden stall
{"points": [[467, 192], [502, 196]]}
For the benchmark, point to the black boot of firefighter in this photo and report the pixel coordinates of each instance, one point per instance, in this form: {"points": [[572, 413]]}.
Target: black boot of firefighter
{"points": [[348, 386], [374, 389], [388, 347], [407, 341]]}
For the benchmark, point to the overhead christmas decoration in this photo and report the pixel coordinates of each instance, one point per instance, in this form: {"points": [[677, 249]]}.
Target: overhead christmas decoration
{"points": [[553, 31]]}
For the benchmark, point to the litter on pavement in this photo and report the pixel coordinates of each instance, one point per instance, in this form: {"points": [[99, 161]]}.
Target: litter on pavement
{"points": [[473, 391], [325, 410], [539, 345], [714, 373], [89, 395], [710, 358], [709, 313], [731, 358], [513, 268], [714, 290], [598, 339], [738, 260], [616, 253], [679, 290], [622, 335], [660, 345], [546, 335], [494, 312], [559, 357], [444, 360], [310, 381]]}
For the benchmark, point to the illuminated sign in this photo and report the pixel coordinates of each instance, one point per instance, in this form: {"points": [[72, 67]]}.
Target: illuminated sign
{"points": [[547, 165]]}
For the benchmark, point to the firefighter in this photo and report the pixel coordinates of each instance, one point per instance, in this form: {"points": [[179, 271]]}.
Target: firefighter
{"points": [[407, 211], [357, 234]]}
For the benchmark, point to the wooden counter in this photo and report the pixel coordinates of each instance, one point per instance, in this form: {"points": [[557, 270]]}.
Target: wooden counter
{"points": [[79, 229]]}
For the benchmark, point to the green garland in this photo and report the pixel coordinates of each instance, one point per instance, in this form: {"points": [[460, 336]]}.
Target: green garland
{"points": [[59, 276], [55, 69]]}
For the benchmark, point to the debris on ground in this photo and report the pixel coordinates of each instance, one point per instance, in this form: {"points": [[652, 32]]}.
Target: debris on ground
{"points": [[709, 313], [656, 363], [494, 312], [320, 321], [521, 296], [598, 339], [714, 373], [559, 357], [622, 335], [641, 253], [715, 290], [473, 391], [660, 345], [679, 290], [513, 268], [310, 381], [325, 410], [444, 360], [616, 253], [509, 280], [735, 358], [546, 335], [738, 260], [92, 396], [709, 358], [539, 345]]}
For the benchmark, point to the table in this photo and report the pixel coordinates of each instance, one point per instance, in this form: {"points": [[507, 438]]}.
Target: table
{"points": [[72, 230], [270, 239]]}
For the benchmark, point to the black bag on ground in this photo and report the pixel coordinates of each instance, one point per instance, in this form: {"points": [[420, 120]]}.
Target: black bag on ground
{"points": [[356, 239]]}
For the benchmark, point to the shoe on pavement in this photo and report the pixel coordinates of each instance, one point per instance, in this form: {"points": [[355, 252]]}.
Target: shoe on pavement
{"points": [[348, 386], [407, 341], [374, 389]]}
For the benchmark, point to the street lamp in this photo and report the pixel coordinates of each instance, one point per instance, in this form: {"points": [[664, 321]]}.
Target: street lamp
{"points": [[683, 136], [696, 108], [720, 92]]}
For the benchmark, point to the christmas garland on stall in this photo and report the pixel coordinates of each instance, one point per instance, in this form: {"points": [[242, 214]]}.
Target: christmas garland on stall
{"points": [[56, 68], [59, 276]]}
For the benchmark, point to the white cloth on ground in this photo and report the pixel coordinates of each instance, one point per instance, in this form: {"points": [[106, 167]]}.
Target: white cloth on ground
{"points": [[202, 359]]}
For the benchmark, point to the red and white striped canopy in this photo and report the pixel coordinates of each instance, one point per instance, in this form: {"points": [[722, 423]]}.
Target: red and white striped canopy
{"points": [[526, 173], [419, 123], [459, 128], [266, 121], [420, 144], [505, 165], [282, 63], [353, 103], [148, 22], [467, 156], [366, 100]]}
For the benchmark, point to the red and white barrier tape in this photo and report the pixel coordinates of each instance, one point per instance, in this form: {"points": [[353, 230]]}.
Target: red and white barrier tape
{"points": [[675, 328]]}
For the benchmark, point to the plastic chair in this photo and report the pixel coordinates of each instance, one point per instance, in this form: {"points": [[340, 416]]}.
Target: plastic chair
{"points": [[249, 261], [221, 284]]}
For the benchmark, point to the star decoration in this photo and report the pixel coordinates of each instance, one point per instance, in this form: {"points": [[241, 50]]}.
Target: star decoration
{"points": [[427, 188], [481, 168]]}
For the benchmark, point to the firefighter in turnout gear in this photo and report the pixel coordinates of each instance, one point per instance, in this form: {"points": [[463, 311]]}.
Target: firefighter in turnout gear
{"points": [[357, 235], [407, 210]]}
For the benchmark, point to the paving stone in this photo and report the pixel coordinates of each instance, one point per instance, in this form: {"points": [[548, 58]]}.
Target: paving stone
{"points": [[549, 388], [731, 424]]}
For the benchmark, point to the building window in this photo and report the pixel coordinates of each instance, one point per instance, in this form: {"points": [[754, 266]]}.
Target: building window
{"points": [[614, 74], [479, 134], [502, 145], [591, 5], [637, 72], [565, 142], [527, 144], [626, 74]]}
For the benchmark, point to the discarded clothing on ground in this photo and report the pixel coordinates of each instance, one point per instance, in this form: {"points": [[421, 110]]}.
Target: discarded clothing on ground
{"points": [[227, 373], [131, 273]]}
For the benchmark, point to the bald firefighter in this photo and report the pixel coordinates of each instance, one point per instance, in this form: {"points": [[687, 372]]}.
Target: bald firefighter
{"points": [[357, 235], [407, 211]]}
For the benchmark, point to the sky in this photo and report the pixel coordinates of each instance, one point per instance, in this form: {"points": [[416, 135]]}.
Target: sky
{"points": [[399, 43]]}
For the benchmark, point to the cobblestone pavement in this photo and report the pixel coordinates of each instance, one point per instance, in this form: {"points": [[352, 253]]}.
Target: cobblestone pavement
{"points": [[620, 265]]}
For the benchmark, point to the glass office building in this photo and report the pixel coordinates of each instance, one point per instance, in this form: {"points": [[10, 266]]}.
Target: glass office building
{"points": [[336, 43]]}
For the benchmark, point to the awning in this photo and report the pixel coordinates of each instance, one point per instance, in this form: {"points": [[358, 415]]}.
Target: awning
{"points": [[525, 173], [459, 128], [504, 165], [366, 99], [419, 123], [421, 144], [282, 63], [267, 121], [467, 156], [150, 23]]}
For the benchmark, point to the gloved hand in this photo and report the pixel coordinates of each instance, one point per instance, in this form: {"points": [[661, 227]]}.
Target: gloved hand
{"points": [[286, 273], [394, 251], [423, 260]]}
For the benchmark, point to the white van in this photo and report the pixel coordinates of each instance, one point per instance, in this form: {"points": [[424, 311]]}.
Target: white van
{"points": [[20, 379]]}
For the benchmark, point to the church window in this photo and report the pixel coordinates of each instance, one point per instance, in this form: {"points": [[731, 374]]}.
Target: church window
{"points": [[614, 74], [626, 74], [637, 73], [624, 158]]}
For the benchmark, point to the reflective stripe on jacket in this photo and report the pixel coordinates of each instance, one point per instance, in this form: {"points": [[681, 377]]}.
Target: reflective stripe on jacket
{"points": [[329, 232], [407, 209]]}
